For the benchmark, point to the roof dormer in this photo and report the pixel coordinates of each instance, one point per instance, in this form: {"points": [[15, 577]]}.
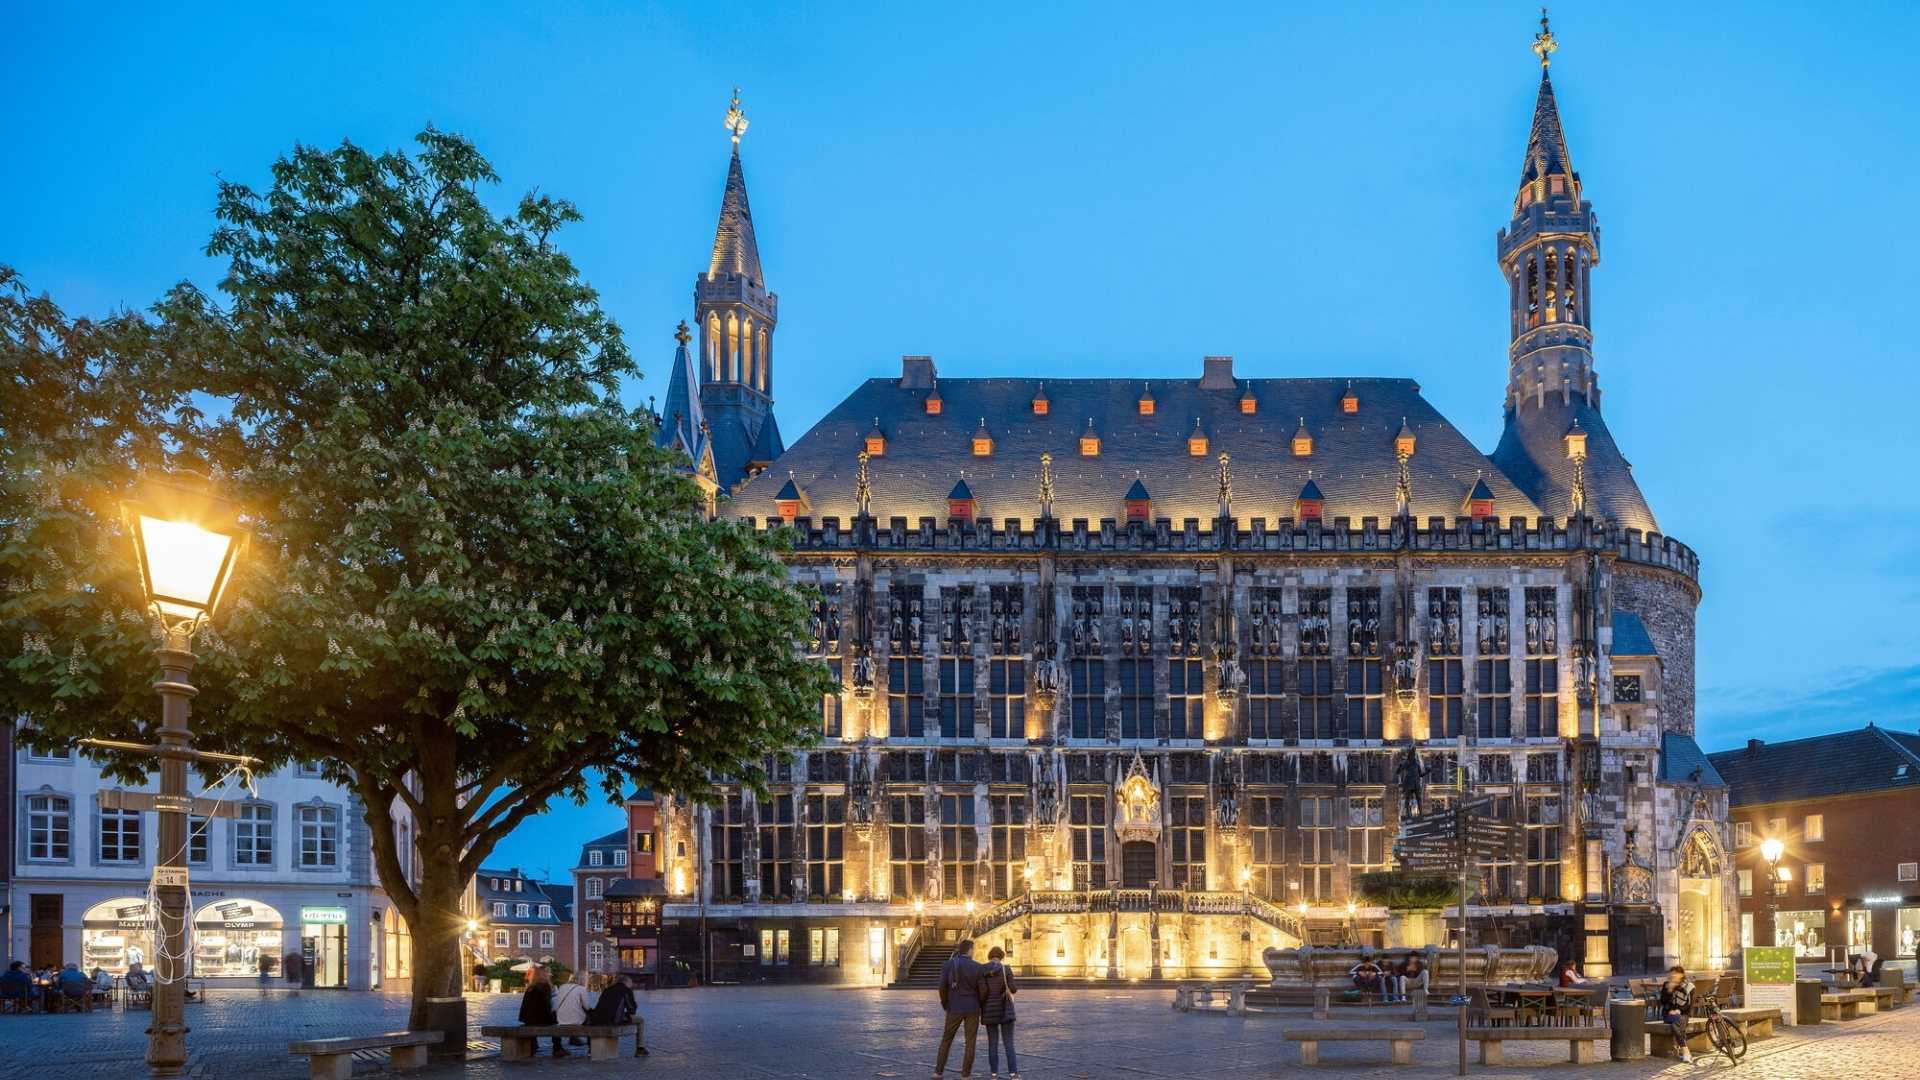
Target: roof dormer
{"points": [[1310, 502], [961, 505], [982, 440], [1089, 441], [1139, 503], [1197, 440], [1040, 402], [1146, 400], [876, 439], [1302, 440]]}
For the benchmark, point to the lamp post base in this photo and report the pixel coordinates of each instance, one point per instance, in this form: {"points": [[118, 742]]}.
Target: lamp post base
{"points": [[167, 1049]]}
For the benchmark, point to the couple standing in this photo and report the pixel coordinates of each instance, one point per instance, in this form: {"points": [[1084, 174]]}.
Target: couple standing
{"points": [[975, 994]]}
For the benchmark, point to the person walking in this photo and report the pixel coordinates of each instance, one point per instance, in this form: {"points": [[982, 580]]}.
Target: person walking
{"points": [[536, 1007], [616, 1006], [996, 1012], [960, 997]]}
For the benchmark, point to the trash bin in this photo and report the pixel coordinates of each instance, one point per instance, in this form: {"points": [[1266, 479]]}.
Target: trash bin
{"points": [[1627, 1017], [1806, 999]]}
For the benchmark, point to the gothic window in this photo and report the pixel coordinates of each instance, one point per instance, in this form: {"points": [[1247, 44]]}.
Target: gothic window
{"points": [[825, 852], [1186, 699], [907, 845], [1316, 847], [1183, 620], [1266, 851], [1266, 699], [1088, 690], [906, 675], [1136, 699], [1136, 620], [959, 847], [1007, 700], [823, 643], [1542, 664], [1316, 665], [1189, 841], [1366, 834], [1366, 690], [1446, 700], [776, 847], [1087, 821], [1543, 768], [830, 711], [1493, 671], [1009, 835], [1543, 847], [729, 848], [956, 663]]}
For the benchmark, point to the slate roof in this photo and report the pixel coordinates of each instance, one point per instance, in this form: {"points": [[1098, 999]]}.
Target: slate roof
{"points": [[735, 249], [1533, 453], [613, 841], [1547, 153], [680, 414], [533, 893], [628, 887], [1839, 763], [1352, 460], [1630, 637], [1683, 762]]}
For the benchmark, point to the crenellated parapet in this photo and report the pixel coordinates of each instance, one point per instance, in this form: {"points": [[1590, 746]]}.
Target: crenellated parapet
{"points": [[1235, 535]]}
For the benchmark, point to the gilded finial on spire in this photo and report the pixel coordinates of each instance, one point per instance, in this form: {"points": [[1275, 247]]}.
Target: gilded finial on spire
{"points": [[1544, 44], [736, 120], [681, 334]]}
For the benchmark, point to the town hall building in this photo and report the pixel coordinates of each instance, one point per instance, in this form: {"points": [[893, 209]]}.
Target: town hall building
{"points": [[1131, 669]]}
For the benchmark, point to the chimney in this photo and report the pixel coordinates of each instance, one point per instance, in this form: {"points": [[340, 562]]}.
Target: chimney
{"points": [[1216, 373], [916, 372], [1755, 744]]}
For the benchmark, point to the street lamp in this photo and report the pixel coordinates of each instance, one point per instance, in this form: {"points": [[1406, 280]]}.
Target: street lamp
{"points": [[1771, 849], [186, 543]]}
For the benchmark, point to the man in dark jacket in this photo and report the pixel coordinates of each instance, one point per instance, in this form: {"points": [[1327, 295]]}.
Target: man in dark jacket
{"points": [[536, 1007], [960, 997], [616, 1006]]}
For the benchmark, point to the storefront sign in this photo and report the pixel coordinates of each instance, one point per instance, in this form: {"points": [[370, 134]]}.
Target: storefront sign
{"points": [[324, 915], [1881, 899], [1769, 974]]}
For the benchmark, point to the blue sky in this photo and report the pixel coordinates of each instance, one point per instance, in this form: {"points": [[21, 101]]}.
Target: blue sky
{"points": [[1107, 189]]}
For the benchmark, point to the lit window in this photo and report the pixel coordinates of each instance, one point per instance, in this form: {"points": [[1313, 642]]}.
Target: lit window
{"points": [[1746, 882], [1816, 877], [1816, 828]]}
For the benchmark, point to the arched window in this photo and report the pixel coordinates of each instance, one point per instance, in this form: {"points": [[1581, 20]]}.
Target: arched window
{"points": [[733, 350], [766, 363], [713, 347]]}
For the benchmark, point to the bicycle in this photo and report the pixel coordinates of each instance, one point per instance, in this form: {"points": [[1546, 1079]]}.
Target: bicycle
{"points": [[1726, 1036]]}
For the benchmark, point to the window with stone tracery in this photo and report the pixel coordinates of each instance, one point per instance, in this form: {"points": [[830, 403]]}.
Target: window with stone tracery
{"points": [[1186, 699], [959, 847], [906, 672], [1542, 663], [1266, 688], [1087, 693], [1183, 620], [1446, 690], [1366, 834], [823, 644], [776, 846], [1009, 838], [1316, 847], [1543, 846], [1187, 836], [1493, 672], [826, 845], [1136, 699], [907, 845], [1366, 686], [729, 843], [956, 662], [1087, 822], [1006, 665], [1316, 664], [1266, 846]]}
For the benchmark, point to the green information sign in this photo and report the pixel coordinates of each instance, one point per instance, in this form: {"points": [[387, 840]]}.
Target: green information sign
{"points": [[1770, 964]]}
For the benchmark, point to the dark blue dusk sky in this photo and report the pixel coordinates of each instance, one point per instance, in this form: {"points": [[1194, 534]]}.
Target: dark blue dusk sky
{"points": [[1101, 189]]}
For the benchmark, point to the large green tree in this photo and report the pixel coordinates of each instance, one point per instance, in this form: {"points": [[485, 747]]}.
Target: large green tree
{"points": [[473, 578]]}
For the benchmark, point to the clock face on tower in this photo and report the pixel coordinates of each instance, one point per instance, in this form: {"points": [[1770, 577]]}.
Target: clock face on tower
{"points": [[1626, 689]]}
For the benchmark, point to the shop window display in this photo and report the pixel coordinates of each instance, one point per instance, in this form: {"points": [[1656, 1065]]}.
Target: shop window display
{"points": [[116, 935], [237, 938]]}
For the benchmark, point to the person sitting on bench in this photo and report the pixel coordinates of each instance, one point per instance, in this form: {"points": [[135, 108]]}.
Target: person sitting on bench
{"points": [[616, 1006], [1676, 1004], [1366, 976], [536, 1006], [1408, 975]]}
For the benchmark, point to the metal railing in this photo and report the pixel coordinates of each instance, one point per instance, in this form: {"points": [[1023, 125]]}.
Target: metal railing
{"points": [[1133, 901]]}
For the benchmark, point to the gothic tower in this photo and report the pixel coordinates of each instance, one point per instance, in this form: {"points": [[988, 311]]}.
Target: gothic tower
{"points": [[736, 315], [1556, 447]]}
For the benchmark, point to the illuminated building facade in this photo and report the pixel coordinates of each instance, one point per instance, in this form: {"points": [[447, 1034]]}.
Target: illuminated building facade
{"points": [[1130, 668]]}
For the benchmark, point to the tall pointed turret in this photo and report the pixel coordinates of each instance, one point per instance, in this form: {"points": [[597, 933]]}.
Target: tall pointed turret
{"points": [[1547, 254], [736, 315]]}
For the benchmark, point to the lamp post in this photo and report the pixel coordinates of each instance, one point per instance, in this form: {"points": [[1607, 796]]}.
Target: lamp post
{"points": [[186, 543], [1771, 849]]}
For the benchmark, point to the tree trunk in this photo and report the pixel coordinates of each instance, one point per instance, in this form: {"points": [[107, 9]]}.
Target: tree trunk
{"points": [[439, 962]]}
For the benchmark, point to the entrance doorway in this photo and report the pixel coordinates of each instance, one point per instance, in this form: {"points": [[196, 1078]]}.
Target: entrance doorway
{"points": [[47, 933], [1138, 864], [1702, 921], [324, 947]]}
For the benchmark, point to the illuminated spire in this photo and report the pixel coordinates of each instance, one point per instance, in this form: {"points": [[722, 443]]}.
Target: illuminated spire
{"points": [[1544, 46], [737, 120]]}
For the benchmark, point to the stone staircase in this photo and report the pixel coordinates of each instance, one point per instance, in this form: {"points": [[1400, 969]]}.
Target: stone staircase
{"points": [[924, 972]]}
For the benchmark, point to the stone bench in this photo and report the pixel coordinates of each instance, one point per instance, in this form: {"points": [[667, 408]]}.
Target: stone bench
{"points": [[1579, 1041], [1211, 997], [1754, 1022], [1886, 997], [518, 1042], [1401, 1039], [1660, 1036], [1846, 1004], [332, 1059]]}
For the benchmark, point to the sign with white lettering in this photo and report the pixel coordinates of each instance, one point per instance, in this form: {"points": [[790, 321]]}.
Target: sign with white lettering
{"points": [[323, 915], [1770, 972]]}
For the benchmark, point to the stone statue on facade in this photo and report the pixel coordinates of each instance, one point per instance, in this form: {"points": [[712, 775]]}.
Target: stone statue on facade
{"points": [[1412, 777]]}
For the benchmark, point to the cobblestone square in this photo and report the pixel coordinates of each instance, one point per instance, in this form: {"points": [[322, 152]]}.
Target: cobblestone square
{"points": [[817, 1034]]}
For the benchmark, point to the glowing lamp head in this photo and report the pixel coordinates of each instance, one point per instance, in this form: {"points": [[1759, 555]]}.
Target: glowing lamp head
{"points": [[1352, 907], [969, 906], [1771, 849], [919, 906], [472, 925], [187, 542], [1303, 907]]}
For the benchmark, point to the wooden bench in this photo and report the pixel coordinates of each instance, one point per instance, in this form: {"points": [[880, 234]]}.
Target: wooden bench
{"points": [[1579, 1041], [332, 1059], [1846, 1004], [519, 1042], [1754, 1022], [1401, 1039]]}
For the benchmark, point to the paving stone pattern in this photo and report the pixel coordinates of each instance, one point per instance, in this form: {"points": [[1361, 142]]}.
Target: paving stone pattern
{"points": [[796, 1033]]}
